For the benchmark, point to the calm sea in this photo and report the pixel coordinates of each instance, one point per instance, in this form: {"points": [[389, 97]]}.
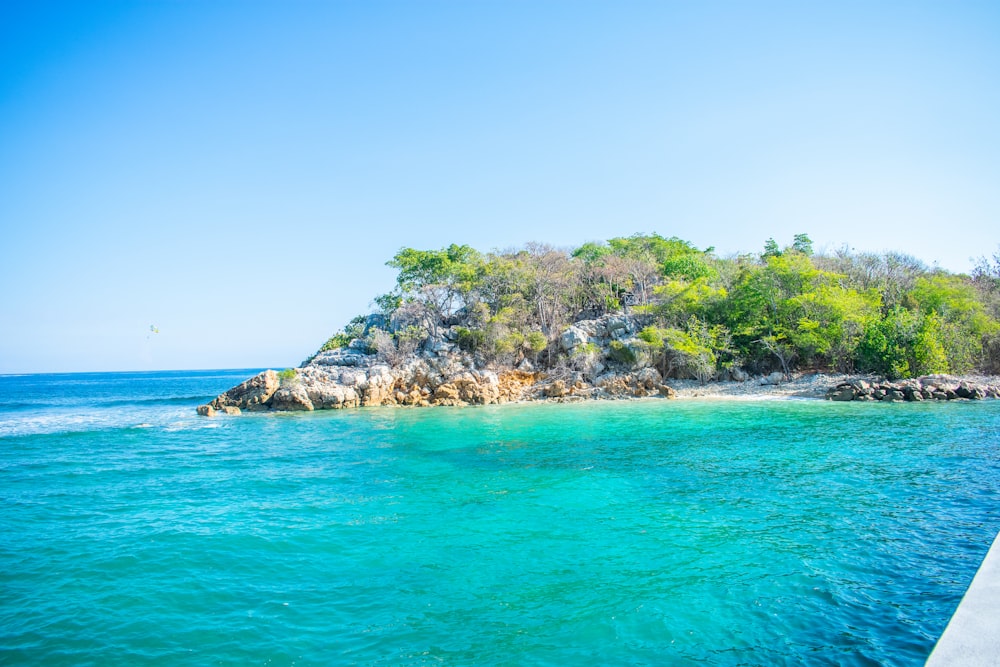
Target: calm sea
{"points": [[133, 532]]}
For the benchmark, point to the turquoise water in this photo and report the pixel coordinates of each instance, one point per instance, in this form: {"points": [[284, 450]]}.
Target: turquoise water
{"points": [[651, 532]]}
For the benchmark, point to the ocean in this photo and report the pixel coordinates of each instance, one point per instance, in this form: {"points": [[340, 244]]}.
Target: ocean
{"points": [[652, 532]]}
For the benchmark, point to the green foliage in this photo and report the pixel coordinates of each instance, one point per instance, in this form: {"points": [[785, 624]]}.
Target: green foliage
{"points": [[785, 307], [354, 329], [803, 244], [470, 340], [928, 347], [622, 353], [771, 249], [536, 342], [961, 322], [652, 336], [674, 257], [825, 324], [455, 266], [507, 343], [694, 350], [905, 343], [336, 341], [388, 303], [288, 377], [591, 252], [676, 300]]}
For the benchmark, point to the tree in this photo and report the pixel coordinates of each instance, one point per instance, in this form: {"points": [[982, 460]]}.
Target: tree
{"points": [[803, 244], [441, 280], [771, 249], [825, 324]]}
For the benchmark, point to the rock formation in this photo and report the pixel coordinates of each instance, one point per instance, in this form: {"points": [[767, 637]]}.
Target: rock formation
{"points": [[927, 388], [442, 374], [601, 358]]}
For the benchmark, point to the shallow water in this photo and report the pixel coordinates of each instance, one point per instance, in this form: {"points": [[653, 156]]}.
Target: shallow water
{"points": [[644, 532]]}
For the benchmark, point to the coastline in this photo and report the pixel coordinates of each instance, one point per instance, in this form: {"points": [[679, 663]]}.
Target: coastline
{"points": [[800, 386], [309, 391], [605, 358], [822, 386]]}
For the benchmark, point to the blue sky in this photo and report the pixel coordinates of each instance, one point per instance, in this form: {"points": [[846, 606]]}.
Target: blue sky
{"points": [[238, 173]]}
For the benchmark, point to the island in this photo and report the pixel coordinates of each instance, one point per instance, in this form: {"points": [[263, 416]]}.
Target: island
{"points": [[645, 316]]}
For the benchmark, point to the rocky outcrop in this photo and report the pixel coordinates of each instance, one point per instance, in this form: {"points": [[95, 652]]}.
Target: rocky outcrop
{"points": [[441, 374], [602, 358], [645, 383], [321, 385], [253, 394], [927, 388]]}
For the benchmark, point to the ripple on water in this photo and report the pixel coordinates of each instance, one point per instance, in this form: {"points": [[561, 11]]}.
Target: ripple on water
{"points": [[628, 533]]}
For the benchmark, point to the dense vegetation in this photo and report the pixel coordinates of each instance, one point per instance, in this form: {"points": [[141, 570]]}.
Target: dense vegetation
{"points": [[784, 308]]}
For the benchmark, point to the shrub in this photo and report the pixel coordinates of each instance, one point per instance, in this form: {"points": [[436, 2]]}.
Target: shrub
{"points": [[536, 342], [622, 353], [469, 340]]}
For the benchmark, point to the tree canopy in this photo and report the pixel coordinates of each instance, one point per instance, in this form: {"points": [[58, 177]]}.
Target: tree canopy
{"points": [[783, 308]]}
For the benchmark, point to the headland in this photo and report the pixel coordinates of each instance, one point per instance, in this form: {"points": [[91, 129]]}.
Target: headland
{"points": [[644, 316]]}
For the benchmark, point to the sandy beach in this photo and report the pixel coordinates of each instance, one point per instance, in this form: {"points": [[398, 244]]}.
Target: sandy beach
{"points": [[799, 385]]}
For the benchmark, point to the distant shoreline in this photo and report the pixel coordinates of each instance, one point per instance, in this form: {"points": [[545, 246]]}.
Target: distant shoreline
{"points": [[818, 386], [316, 390]]}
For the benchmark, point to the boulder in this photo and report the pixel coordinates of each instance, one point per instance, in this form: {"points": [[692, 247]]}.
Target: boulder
{"points": [[573, 337], [291, 398], [446, 392], [618, 327], [773, 378], [326, 396], [841, 393], [557, 389], [667, 392], [894, 395], [648, 378], [343, 357], [253, 394]]}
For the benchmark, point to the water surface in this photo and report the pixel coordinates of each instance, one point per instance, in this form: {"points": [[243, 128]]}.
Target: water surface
{"points": [[619, 533]]}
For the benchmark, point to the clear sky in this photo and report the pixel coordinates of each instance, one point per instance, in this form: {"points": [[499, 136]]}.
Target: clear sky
{"points": [[237, 173]]}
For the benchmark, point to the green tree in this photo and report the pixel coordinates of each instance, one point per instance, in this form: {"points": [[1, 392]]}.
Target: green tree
{"points": [[803, 244], [439, 280], [771, 249]]}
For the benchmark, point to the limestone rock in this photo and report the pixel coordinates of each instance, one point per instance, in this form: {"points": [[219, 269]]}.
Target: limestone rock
{"points": [[773, 378], [573, 337], [648, 378], [841, 393], [557, 389], [343, 357], [739, 375], [251, 395], [291, 398], [927, 388], [446, 392]]}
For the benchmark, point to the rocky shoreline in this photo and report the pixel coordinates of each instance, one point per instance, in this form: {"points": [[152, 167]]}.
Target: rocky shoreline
{"points": [[598, 359], [316, 387], [926, 388]]}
